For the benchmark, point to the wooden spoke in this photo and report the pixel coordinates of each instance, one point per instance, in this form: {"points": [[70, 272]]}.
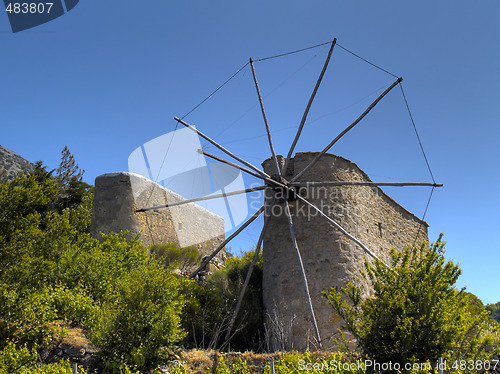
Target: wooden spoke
{"points": [[223, 244], [364, 247], [276, 183], [209, 197], [249, 274], [301, 265], [222, 148], [306, 112], [268, 130], [316, 159], [347, 183]]}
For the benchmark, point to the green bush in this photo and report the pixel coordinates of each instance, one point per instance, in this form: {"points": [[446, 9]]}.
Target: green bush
{"points": [[494, 309], [239, 367], [173, 256], [288, 363], [13, 359], [26, 316], [140, 319], [80, 216], [97, 266], [333, 363], [210, 306], [63, 367], [52, 271], [416, 313], [21, 360], [204, 315]]}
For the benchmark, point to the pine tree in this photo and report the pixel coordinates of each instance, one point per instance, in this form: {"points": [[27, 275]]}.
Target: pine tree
{"points": [[40, 172], [69, 177], [68, 168]]}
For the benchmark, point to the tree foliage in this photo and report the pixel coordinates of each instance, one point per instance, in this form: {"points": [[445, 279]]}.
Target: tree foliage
{"points": [[211, 304], [494, 309], [173, 256], [68, 169], [72, 190], [52, 270], [416, 313]]}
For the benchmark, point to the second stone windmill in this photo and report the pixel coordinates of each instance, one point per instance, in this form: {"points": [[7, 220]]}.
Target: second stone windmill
{"points": [[322, 215]]}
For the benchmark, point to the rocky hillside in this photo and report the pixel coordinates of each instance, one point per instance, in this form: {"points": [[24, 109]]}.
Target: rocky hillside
{"points": [[11, 164]]}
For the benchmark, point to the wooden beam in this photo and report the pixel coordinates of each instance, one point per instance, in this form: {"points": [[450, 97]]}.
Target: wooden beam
{"points": [[372, 105], [348, 183], [301, 266], [268, 130], [308, 107], [270, 180], [209, 197], [222, 148]]}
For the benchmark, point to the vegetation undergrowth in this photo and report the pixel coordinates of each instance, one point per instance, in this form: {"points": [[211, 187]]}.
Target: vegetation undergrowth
{"points": [[52, 270], [416, 314], [137, 311], [210, 306]]}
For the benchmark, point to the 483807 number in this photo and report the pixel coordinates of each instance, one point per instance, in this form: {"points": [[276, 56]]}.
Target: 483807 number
{"points": [[25, 8]]}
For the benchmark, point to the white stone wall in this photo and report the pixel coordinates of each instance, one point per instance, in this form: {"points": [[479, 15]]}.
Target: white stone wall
{"points": [[119, 195]]}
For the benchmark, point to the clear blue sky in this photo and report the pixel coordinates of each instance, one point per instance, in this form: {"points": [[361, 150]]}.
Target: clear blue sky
{"points": [[109, 76]]}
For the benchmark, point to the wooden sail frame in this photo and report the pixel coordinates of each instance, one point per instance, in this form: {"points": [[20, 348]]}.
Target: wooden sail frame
{"points": [[286, 186]]}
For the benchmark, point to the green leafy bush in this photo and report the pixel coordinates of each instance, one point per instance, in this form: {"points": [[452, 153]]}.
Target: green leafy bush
{"points": [[141, 318], [63, 367], [210, 306], [22, 360], [287, 363], [204, 315], [13, 359], [173, 256], [333, 363], [494, 309], [239, 367], [52, 271], [416, 313]]}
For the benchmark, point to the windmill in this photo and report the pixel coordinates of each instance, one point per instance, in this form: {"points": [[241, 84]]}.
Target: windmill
{"points": [[290, 189]]}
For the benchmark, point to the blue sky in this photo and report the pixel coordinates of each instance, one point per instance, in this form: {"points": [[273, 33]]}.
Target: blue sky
{"points": [[109, 76]]}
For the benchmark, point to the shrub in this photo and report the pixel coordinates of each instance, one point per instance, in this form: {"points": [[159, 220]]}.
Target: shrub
{"points": [[13, 359], [204, 315], [52, 270], [416, 313], [173, 256], [211, 304], [334, 363], [140, 319]]}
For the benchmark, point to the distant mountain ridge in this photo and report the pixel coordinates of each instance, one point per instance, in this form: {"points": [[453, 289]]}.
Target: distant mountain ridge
{"points": [[11, 164]]}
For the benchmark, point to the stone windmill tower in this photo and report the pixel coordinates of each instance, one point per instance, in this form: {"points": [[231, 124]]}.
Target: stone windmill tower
{"points": [[330, 258], [323, 217]]}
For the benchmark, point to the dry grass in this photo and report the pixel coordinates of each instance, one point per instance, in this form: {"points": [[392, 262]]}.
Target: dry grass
{"points": [[200, 362], [75, 337]]}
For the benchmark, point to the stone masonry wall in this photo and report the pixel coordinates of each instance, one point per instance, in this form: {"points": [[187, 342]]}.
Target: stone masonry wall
{"points": [[119, 195], [330, 259]]}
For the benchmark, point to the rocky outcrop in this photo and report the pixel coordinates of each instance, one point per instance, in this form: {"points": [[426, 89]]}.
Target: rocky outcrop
{"points": [[11, 164], [74, 347]]}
